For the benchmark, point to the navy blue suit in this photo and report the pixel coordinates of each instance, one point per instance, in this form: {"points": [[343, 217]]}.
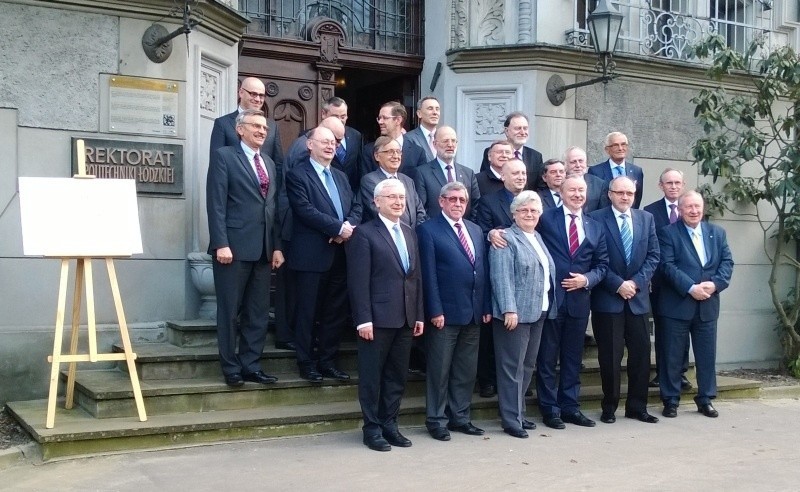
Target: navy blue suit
{"points": [[682, 315], [533, 162], [603, 171], [562, 338], [413, 157], [618, 323], [494, 211], [455, 288], [488, 182], [318, 264], [596, 193]]}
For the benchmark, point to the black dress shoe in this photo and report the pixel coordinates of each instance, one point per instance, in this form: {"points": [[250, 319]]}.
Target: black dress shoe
{"points": [[234, 380], [260, 377], [641, 416], [377, 443], [578, 418], [520, 433], [397, 439], [708, 410], [333, 373], [528, 425], [488, 391], [654, 382], [467, 428], [670, 411], [554, 423], [440, 434], [286, 346], [685, 383], [608, 418], [311, 375]]}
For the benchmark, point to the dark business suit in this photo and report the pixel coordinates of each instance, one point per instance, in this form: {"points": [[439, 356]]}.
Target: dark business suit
{"points": [[241, 219], [414, 213], [547, 199], [455, 288], [488, 182], [429, 181], [413, 157], [533, 162], [596, 193], [682, 315], [318, 264], [224, 134], [416, 136], [618, 323], [562, 338], [603, 171], [383, 294]]}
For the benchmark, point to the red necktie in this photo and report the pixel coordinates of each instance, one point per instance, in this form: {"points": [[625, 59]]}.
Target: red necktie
{"points": [[573, 235], [263, 179], [464, 244]]}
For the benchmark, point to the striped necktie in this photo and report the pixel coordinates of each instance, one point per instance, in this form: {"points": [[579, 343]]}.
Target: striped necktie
{"points": [[464, 244], [573, 235], [627, 237]]}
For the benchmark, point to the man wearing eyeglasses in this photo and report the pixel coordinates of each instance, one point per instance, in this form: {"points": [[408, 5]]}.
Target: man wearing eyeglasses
{"points": [[252, 95], [621, 302], [616, 146], [391, 118], [241, 193]]}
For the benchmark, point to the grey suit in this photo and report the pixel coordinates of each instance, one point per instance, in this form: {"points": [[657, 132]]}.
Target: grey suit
{"points": [[418, 138], [430, 178], [414, 213], [517, 276]]}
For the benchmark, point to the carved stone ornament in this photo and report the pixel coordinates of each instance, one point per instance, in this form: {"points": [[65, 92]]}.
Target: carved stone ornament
{"points": [[490, 21], [326, 74], [272, 89], [329, 34], [489, 118], [305, 93], [209, 86], [327, 93], [458, 37]]}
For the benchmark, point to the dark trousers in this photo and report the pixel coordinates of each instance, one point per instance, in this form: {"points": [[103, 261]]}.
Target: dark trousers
{"points": [[486, 362], [613, 333], [704, 344], [382, 373], [658, 329], [515, 355], [242, 291], [562, 341], [452, 361], [320, 314], [284, 303]]}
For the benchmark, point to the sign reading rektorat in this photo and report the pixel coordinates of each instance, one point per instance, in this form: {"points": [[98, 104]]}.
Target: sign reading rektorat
{"points": [[156, 167]]}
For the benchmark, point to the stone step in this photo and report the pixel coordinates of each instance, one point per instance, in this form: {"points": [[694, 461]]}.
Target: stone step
{"points": [[77, 433]]}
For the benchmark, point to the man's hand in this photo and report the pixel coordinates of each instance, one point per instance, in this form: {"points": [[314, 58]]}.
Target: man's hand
{"points": [[224, 255], [627, 290], [510, 321], [496, 238], [487, 318], [419, 327], [365, 332], [709, 287], [438, 321], [578, 281], [277, 259], [347, 230], [698, 293]]}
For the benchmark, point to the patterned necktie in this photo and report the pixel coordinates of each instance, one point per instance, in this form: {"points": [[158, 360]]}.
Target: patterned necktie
{"points": [[517, 155], [573, 235], [263, 179], [698, 246], [449, 173], [333, 191], [619, 170], [464, 244], [627, 237], [400, 242], [341, 153], [673, 215]]}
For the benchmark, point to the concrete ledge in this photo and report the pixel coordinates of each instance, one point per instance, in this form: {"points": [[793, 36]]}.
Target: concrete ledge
{"points": [[778, 392], [17, 454]]}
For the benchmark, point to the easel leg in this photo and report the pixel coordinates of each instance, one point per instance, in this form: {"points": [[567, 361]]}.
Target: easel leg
{"points": [[130, 357], [90, 319], [56, 357], [77, 298]]}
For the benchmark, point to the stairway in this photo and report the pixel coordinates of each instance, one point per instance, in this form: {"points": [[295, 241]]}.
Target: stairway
{"points": [[188, 403]]}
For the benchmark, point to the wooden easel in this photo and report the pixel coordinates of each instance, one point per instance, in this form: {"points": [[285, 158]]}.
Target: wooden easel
{"points": [[83, 279]]}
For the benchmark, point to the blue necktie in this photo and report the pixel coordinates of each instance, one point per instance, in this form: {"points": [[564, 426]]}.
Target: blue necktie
{"points": [[627, 237], [341, 153], [400, 242], [333, 191], [620, 171]]}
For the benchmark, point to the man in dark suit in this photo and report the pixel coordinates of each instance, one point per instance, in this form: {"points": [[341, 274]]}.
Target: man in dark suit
{"points": [[386, 298], [388, 155], [453, 258], [516, 131], [323, 218], [596, 188], [491, 180], [665, 212], [428, 112], [621, 304], [444, 169], [553, 175], [391, 118], [616, 146], [696, 265], [348, 153], [241, 190], [578, 247], [251, 96]]}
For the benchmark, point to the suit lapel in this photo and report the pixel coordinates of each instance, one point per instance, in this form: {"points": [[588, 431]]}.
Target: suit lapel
{"points": [[506, 205], [247, 168], [707, 238], [613, 229], [452, 235], [438, 173], [387, 236], [561, 226], [314, 178], [683, 233]]}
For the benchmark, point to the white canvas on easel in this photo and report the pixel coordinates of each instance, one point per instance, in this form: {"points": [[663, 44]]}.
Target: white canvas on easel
{"points": [[68, 217]]}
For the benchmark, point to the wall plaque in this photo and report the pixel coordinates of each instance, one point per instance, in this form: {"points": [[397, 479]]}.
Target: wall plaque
{"points": [[143, 106], [156, 167]]}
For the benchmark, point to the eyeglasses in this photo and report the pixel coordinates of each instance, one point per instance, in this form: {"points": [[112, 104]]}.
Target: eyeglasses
{"points": [[622, 193], [255, 95], [526, 211], [382, 118], [394, 198], [391, 152], [326, 143], [617, 145], [256, 126], [455, 199], [449, 141]]}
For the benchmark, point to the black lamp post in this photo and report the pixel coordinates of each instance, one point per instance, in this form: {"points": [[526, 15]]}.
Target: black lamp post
{"points": [[604, 24]]}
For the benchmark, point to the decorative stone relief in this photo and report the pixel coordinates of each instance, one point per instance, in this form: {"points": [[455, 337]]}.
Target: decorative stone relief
{"points": [[458, 22], [525, 22], [489, 118], [326, 93], [489, 18], [305, 93], [272, 89], [330, 35], [209, 92]]}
